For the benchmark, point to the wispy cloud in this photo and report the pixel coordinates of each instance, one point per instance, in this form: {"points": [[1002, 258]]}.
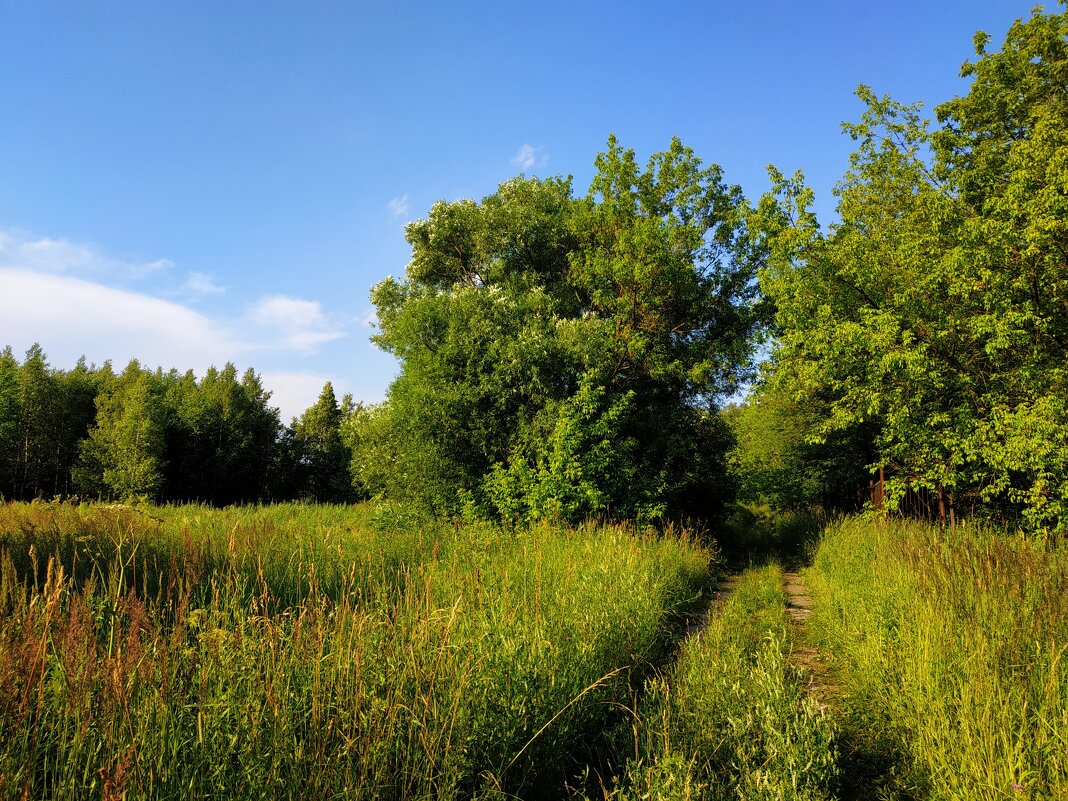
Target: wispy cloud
{"points": [[292, 393], [72, 317], [60, 256], [201, 284], [529, 156], [399, 206], [299, 324], [59, 293]]}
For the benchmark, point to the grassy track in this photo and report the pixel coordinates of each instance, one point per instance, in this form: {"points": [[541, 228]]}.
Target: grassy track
{"points": [[731, 720], [318, 652]]}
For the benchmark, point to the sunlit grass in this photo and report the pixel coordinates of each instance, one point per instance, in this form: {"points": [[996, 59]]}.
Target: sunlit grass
{"points": [[951, 648], [319, 651], [731, 719]]}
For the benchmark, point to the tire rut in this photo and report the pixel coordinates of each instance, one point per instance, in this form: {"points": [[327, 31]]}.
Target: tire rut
{"points": [[724, 588], [812, 661]]}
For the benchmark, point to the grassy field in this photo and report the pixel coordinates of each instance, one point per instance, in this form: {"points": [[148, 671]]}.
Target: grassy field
{"points": [[950, 647], [367, 652], [320, 652]]}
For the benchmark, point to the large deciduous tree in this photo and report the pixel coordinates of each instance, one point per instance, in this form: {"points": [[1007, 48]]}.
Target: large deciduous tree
{"points": [[124, 455], [936, 310], [562, 356]]}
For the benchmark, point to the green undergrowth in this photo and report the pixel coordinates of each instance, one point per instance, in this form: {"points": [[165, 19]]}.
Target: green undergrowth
{"points": [[950, 646], [756, 534], [320, 652], [731, 719]]}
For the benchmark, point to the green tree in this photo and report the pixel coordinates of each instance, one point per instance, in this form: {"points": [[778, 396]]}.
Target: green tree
{"points": [[781, 459], [76, 392], [369, 431], [551, 344], [225, 435], [261, 426], [580, 465], [123, 456], [10, 421], [323, 456], [38, 422], [935, 309]]}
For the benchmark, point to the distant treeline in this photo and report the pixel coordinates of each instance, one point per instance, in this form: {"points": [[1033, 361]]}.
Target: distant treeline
{"points": [[167, 436]]}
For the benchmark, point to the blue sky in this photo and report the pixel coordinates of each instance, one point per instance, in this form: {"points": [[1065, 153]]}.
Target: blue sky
{"points": [[194, 183]]}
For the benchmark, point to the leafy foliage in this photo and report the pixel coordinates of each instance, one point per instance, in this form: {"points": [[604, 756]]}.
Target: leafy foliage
{"points": [[165, 436], [559, 354], [575, 470], [124, 453], [44, 414], [323, 458], [935, 310], [781, 460]]}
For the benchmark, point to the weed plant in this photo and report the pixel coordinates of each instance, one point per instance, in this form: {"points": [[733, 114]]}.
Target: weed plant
{"points": [[318, 652], [732, 720], [951, 649]]}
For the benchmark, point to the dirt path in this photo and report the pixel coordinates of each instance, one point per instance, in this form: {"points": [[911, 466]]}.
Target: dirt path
{"points": [[726, 586], [864, 771], [810, 659]]}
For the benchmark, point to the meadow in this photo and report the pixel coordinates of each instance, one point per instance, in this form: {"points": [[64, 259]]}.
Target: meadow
{"points": [[320, 651], [368, 651], [950, 645]]}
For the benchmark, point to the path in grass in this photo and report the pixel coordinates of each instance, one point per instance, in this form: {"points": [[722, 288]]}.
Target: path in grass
{"points": [[811, 660], [724, 588], [865, 772], [729, 717]]}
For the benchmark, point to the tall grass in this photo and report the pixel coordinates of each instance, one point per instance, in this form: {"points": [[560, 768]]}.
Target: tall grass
{"points": [[951, 646], [731, 720], [319, 652]]}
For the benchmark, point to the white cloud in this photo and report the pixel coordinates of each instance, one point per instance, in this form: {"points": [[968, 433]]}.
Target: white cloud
{"points": [[201, 284], [529, 156], [292, 393], [55, 292], [72, 317], [43, 254], [301, 323], [399, 206]]}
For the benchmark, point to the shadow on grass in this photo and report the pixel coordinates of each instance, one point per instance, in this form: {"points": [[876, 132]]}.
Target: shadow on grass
{"points": [[873, 769], [757, 535], [871, 766]]}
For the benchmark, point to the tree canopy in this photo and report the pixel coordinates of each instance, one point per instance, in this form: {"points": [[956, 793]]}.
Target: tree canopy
{"points": [[165, 436], [568, 355], [563, 356], [936, 309]]}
